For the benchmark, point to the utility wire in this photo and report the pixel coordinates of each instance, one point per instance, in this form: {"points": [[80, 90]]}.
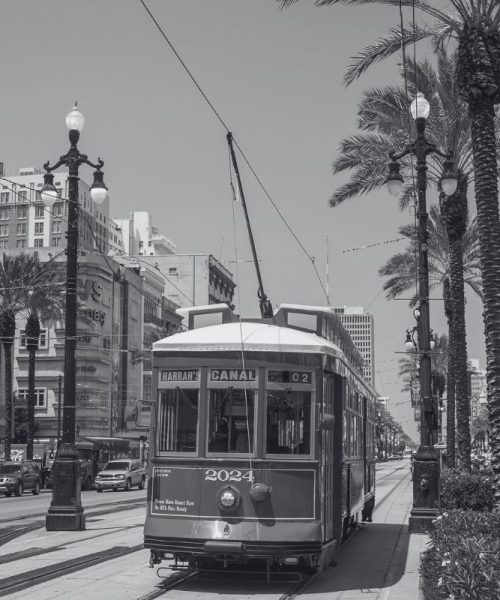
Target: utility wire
{"points": [[225, 126]]}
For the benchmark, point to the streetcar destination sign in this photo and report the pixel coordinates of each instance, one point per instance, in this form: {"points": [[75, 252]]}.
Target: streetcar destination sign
{"points": [[233, 375], [180, 375]]}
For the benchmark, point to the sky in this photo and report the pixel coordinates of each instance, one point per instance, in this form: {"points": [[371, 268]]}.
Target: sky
{"points": [[275, 79]]}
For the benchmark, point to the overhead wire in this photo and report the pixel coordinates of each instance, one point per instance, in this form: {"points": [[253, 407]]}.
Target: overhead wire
{"points": [[225, 126]]}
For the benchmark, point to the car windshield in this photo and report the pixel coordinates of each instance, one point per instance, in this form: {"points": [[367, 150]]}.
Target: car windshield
{"points": [[113, 466], [10, 468]]}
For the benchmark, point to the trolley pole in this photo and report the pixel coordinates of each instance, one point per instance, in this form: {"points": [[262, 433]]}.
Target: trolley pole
{"points": [[426, 465]]}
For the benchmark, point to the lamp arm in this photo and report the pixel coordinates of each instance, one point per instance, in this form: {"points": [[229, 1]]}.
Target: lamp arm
{"points": [[398, 155], [98, 166], [49, 168]]}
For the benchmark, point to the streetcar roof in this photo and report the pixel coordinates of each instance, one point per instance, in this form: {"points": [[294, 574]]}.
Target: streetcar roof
{"points": [[248, 336]]}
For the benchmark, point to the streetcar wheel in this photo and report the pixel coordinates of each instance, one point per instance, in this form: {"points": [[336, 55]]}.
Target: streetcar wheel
{"points": [[36, 489], [19, 490], [141, 485], [128, 485]]}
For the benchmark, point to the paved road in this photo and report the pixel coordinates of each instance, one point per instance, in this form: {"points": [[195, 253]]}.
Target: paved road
{"points": [[107, 560], [28, 505]]}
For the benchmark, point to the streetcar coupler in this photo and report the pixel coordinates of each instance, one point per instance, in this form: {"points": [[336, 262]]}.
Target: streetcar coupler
{"points": [[154, 558]]}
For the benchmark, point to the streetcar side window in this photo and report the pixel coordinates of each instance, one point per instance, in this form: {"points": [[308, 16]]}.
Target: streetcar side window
{"points": [[231, 420], [288, 422], [178, 411]]}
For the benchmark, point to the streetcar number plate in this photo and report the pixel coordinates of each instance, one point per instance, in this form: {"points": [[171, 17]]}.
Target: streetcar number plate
{"points": [[223, 475]]}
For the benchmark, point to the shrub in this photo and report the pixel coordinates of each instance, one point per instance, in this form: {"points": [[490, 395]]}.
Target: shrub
{"points": [[463, 562], [468, 491]]}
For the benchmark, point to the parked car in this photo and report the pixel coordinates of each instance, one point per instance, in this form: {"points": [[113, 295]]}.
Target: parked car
{"points": [[19, 476], [121, 473]]}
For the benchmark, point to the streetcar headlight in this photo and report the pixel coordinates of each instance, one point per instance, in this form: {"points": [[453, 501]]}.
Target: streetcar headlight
{"points": [[228, 498]]}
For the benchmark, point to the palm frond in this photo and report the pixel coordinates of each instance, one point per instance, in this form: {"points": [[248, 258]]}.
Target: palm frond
{"points": [[387, 45]]}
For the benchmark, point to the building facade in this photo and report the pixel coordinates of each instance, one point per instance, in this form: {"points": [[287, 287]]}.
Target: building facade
{"points": [[194, 279], [360, 326]]}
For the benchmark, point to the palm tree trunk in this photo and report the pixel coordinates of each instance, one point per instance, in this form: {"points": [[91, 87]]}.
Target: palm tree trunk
{"points": [[7, 348], [450, 379], [486, 191], [32, 331], [460, 353], [30, 431]]}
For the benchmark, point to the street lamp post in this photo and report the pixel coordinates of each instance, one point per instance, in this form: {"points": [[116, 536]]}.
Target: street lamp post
{"points": [[426, 465], [66, 511]]}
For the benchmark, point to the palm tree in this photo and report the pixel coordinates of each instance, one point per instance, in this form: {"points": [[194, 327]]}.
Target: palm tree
{"points": [[475, 25], [21, 278], [44, 301], [383, 118], [444, 266], [409, 366]]}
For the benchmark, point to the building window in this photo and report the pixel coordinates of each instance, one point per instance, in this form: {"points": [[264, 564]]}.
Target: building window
{"points": [[22, 196], [20, 243], [4, 230], [22, 213], [3, 243], [57, 227], [38, 228], [4, 214], [4, 197], [40, 396], [39, 211], [56, 241], [172, 271], [42, 340], [38, 243], [21, 229]]}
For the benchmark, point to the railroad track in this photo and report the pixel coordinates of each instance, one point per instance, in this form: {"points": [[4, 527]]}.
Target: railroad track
{"points": [[13, 532], [16, 583]]}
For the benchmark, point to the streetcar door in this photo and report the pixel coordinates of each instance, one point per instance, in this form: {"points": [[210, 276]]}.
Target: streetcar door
{"points": [[327, 459]]}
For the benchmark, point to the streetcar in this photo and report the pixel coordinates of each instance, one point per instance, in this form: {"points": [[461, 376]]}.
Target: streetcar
{"points": [[262, 440]]}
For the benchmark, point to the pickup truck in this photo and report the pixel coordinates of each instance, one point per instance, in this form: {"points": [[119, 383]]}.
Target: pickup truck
{"points": [[122, 473]]}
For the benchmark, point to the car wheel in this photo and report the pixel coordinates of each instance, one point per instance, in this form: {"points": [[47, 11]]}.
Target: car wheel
{"points": [[36, 489], [143, 481], [19, 490], [8, 494], [99, 490], [128, 485]]}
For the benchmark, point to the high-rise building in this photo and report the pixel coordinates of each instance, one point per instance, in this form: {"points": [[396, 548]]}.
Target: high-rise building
{"points": [[359, 324], [26, 223]]}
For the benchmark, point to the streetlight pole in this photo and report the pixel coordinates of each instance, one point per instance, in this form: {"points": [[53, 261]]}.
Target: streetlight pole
{"points": [[66, 511], [426, 465]]}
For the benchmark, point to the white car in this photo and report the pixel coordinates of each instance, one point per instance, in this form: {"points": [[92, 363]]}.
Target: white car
{"points": [[123, 473]]}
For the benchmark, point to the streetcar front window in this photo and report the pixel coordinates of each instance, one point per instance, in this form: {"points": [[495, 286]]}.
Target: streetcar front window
{"points": [[288, 422], [178, 411], [231, 420]]}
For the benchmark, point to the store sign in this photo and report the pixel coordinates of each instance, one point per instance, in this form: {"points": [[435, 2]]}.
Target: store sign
{"points": [[180, 375], [233, 375], [93, 315]]}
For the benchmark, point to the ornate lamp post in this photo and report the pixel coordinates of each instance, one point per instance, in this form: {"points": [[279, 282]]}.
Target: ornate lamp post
{"points": [[426, 465], [66, 511]]}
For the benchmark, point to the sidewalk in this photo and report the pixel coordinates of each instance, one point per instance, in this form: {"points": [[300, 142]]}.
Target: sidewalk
{"points": [[380, 562]]}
